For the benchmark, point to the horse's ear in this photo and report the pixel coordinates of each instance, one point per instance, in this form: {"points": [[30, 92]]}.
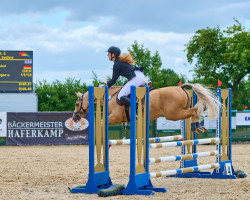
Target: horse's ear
{"points": [[79, 94]]}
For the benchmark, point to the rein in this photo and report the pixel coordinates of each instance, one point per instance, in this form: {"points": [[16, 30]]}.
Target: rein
{"points": [[115, 93]]}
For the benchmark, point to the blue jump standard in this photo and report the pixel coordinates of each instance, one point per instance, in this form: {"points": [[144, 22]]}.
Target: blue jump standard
{"points": [[139, 184], [96, 180]]}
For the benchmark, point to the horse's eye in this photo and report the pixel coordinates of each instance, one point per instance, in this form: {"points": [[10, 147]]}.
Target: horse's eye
{"points": [[77, 104]]}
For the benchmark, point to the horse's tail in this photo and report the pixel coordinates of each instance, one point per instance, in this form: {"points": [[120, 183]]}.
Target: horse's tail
{"points": [[207, 100]]}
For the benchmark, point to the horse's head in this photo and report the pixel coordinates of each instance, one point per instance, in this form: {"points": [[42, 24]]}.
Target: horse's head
{"points": [[81, 106]]}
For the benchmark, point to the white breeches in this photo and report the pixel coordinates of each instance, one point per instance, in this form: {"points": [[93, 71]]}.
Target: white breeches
{"points": [[138, 80]]}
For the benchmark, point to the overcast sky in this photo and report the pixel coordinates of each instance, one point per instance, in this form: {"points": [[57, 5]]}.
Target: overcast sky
{"points": [[69, 38]]}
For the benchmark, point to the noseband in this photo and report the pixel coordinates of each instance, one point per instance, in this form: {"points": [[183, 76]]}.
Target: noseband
{"points": [[82, 110]]}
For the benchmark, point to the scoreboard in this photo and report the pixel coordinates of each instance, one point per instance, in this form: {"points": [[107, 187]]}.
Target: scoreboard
{"points": [[16, 71]]}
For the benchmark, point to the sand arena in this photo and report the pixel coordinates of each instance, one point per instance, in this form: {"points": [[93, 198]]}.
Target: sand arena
{"points": [[45, 172]]}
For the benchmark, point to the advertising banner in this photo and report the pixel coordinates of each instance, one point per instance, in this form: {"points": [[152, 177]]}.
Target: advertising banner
{"points": [[3, 124], [37, 128], [164, 125], [211, 124]]}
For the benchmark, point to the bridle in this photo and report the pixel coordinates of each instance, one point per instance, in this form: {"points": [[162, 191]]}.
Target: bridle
{"points": [[81, 111]]}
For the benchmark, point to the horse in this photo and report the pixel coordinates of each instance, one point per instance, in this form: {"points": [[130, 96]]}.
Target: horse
{"points": [[171, 102]]}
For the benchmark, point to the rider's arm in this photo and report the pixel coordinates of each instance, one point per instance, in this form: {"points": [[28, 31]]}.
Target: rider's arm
{"points": [[115, 76]]}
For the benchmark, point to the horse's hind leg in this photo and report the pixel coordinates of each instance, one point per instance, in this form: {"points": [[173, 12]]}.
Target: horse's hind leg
{"points": [[196, 126], [195, 117], [183, 114]]}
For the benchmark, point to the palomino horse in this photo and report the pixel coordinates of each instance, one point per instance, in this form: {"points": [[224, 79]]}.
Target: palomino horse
{"points": [[171, 102]]}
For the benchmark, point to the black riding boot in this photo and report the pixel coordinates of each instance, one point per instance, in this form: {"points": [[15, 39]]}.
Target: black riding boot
{"points": [[125, 100]]}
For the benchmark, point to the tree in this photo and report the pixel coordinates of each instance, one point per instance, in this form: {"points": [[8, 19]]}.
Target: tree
{"points": [[170, 78], [243, 96], [152, 67], [58, 96], [223, 55], [151, 64], [237, 55], [96, 82]]}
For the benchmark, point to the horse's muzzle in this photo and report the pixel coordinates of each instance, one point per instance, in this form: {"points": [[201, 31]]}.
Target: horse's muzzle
{"points": [[76, 117]]}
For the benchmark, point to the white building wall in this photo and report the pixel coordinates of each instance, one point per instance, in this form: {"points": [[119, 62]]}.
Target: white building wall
{"points": [[18, 102]]}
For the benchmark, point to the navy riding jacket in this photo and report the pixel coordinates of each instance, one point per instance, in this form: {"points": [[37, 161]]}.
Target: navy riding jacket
{"points": [[121, 69]]}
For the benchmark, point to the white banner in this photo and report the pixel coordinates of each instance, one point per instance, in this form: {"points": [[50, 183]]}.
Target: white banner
{"points": [[3, 124], [163, 124], [211, 124], [243, 119]]}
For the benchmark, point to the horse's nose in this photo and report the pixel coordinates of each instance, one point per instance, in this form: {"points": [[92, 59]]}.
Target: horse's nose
{"points": [[74, 117]]}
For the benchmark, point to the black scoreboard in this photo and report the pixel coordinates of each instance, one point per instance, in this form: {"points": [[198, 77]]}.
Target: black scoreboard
{"points": [[16, 71]]}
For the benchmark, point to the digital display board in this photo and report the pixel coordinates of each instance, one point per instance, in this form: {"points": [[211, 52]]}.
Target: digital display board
{"points": [[16, 71]]}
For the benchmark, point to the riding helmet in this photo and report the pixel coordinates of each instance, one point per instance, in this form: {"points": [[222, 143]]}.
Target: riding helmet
{"points": [[114, 50]]}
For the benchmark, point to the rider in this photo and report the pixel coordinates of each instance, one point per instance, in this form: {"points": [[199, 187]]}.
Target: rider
{"points": [[123, 66]]}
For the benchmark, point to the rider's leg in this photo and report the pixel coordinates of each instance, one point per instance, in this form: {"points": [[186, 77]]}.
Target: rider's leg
{"points": [[125, 100], [137, 81]]}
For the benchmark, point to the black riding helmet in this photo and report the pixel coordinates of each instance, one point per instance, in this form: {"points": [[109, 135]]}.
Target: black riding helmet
{"points": [[114, 50]]}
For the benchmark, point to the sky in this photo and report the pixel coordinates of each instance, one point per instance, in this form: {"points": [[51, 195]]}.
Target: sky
{"points": [[69, 39]]}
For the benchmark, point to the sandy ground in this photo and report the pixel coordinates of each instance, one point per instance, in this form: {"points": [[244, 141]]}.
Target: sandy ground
{"points": [[45, 172]]}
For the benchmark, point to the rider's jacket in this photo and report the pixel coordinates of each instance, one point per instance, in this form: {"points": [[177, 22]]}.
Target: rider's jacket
{"points": [[121, 69]]}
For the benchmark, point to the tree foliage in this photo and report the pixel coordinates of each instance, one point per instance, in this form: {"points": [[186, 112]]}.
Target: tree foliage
{"points": [[243, 95], [96, 81], [152, 66], [171, 78], [221, 54], [58, 96], [151, 63]]}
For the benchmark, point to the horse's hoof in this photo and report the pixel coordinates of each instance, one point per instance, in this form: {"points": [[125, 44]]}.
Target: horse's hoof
{"points": [[199, 130], [205, 130]]}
